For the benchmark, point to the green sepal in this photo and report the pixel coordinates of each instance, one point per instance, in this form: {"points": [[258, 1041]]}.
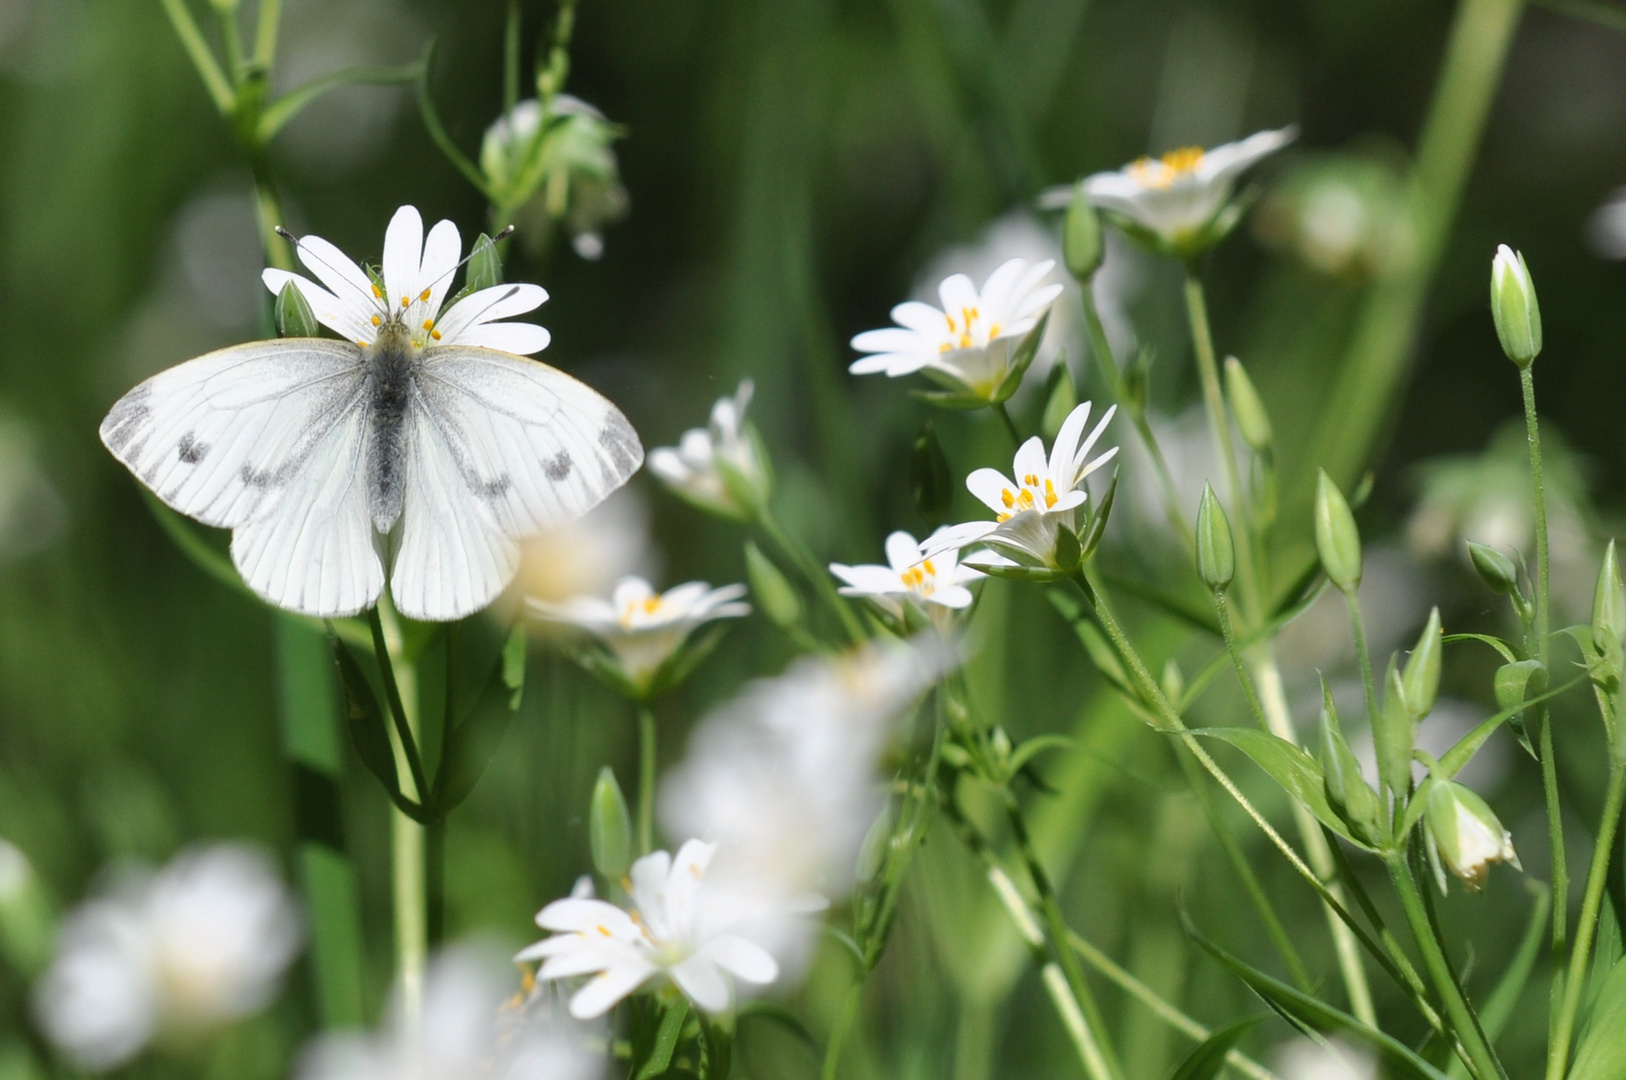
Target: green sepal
{"points": [[1021, 360], [1495, 569], [294, 315], [485, 265], [1395, 735], [1251, 418], [951, 399], [667, 1035], [1099, 513], [1083, 247], [1337, 540], [609, 828], [1348, 793]]}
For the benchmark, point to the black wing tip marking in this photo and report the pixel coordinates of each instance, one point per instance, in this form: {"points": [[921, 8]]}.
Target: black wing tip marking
{"points": [[620, 442], [126, 419]]}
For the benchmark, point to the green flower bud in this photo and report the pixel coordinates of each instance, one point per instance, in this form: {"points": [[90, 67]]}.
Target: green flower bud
{"points": [[1216, 552], [1495, 569], [1081, 242], [1173, 683], [27, 922], [1396, 734], [294, 315], [1348, 793], [930, 480], [1609, 604], [1337, 540], [776, 597], [1422, 678], [609, 828], [1466, 833], [1514, 307], [1061, 398], [1251, 418]]}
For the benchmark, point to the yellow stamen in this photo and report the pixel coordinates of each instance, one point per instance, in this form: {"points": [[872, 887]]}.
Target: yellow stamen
{"points": [[950, 319], [435, 334], [930, 569], [377, 320], [363, 344], [1049, 494], [1008, 498], [945, 347], [424, 296], [378, 292], [1185, 159], [651, 605], [993, 331], [429, 324], [405, 300], [600, 928], [1030, 480], [965, 341]]}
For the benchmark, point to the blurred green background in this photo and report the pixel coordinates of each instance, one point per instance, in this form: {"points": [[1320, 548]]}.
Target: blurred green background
{"points": [[794, 168]]}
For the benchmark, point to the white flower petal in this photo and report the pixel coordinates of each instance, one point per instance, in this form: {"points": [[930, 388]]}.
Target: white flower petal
{"points": [[921, 318], [602, 993], [343, 278], [403, 256], [441, 251], [743, 959], [521, 339], [702, 983], [345, 319], [902, 551]]}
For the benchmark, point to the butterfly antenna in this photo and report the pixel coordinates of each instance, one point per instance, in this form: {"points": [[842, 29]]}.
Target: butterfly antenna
{"points": [[499, 238], [307, 253]]}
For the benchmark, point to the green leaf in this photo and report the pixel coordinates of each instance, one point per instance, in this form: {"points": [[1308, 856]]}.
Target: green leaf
{"points": [[1601, 1054], [1514, 683], [1035, 746], [474, 741], [1207, 1058], [288, 106], [1310, 1014], [1494, 642], [369, 730], [1099, 515], [1021, 360], [666, 1040], [1296, 771]]}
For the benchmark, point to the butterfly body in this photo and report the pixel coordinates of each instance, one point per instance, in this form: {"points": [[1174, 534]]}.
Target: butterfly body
{"points": [[389, 362]]}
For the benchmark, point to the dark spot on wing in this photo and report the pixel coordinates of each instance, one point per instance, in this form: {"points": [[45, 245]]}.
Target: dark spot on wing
{"points": [[126, 418], [621, 443], [265, 479], [492, 489], [190, 450], [558, 466]]}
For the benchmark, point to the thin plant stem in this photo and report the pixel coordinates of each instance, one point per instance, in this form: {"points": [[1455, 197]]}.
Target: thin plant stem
{"points": [[1597, 875], [839, 1032], [1159, 1006], [1222, 608], [409, 862], [510, 61], [197, 50], [267, 25], [646, 777], [231, 37], [1471, 1040], [1102, 349], [815, 575], [1202, 343], [1549, 763], [1004, 415], [1357, 629], [383, 648]]}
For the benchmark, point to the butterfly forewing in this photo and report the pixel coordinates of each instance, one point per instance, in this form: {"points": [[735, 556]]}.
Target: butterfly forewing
{"points": [[497, 447], [268, 439]]}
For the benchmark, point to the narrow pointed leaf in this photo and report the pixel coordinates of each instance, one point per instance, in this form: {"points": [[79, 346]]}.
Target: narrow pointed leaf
{"points": [[1296, 772], [1207, 1058]]}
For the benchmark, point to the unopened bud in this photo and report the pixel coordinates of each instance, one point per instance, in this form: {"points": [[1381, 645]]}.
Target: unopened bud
{"points": [[1081, 243], [485, 265], [293, 313], [1348, 793], [1609, 604], [609, 828], [1216, 552], [1495, 569], [1061, 398], [1251, 418], [775, 596], [1422, 677], [1467, 835], [1396, 734], [1514, 307], [1337, 540]]}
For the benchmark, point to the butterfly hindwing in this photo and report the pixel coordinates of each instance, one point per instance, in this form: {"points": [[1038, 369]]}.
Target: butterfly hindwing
{"points": [[268, 439], [497, 447]]}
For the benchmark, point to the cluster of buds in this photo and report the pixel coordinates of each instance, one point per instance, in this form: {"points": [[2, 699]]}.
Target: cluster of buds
{"points": [[555, 167]]}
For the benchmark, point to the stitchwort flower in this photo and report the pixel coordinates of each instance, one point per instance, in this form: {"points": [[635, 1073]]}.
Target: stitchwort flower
{"points": [[1033, 510], [566, 174], [680, 928], [977, 345], [1465, 835], [911, 578], [1179, 204], [723, 468], [415, 281], [644, 633]]}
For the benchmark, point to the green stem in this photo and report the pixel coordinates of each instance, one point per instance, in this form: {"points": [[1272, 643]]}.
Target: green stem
{"points": [[1102, 348], [1222, 608], [267, 25], [197, 50], [1597, 875], [383, 647], [843, 1025], [1101, 1061], [231, 37], [510, 61], [1357, 628], [1010, 425], [798, 554], [409, 862], [268, 213], [1202, 342], [646, 778], [1471, 1040]]}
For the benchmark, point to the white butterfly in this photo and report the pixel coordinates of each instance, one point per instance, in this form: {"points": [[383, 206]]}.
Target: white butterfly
{"points": [[419, 436]]}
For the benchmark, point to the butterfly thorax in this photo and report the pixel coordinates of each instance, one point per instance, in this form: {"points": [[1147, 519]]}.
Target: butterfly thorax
{"points": [[390, 361]]}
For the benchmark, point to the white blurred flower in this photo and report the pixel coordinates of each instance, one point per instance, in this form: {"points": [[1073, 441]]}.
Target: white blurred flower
{"points": [[721, 468], [202, 942], [1342, 214], [417, 279], [1181, 203], [968, 345], [589, 555], [910, 576], [466, 1033], [1043, 498], [1324, 1059], [785, 774], [680, 927], [643, 629], [1606, 228]]}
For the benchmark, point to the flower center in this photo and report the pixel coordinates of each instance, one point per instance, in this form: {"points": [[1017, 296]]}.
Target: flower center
{"points": [[921, 578], [1164, 171], [1034, 493], [637, 611], [966, 330]]}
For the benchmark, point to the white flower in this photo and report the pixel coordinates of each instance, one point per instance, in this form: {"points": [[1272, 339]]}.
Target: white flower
{"points": [[1181, 202], [1324, 1059], [466, 1033], [643, 629], [910, 575], [1466, 835], [1030, 509], [785, 774], [203, 942], [721, 468], [1606, 228], [970, 344], [416, 279], [590, 554], [678, 928]]}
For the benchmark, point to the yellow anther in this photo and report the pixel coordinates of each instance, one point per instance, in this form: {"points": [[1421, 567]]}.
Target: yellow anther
{"points": [[601, 929], [945, 347], [363, 344], [1184, 159], [424, 296], [435, 334], [429, 324], [377, 320], [651, 604], [405, 300], [950, 319], [930, 569], [1002, 518], [1008, 498], [965, 341], [377, 291], [1049, 494], [1030, 480], [993, 331]]}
